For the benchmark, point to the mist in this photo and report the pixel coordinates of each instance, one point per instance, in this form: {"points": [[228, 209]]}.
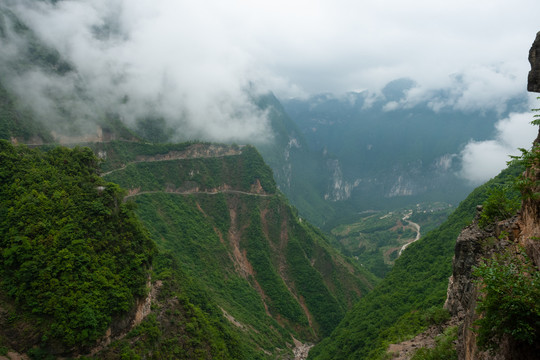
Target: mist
{"points": [[482, 160], [198, 65], [139, 61]]}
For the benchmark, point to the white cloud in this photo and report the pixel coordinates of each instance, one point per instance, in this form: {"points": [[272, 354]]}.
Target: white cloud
{"points": [[482, 160], [166, 59], [191, 62], [390, 106]]}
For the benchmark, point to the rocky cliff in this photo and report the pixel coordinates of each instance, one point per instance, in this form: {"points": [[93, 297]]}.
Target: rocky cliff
{"points": [[512, 237], [473, 246], [534, 58]]}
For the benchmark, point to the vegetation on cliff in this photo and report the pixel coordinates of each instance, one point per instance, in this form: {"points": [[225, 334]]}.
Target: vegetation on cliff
{"points": [[71, 251], [184, 323], [509, 305], [509, 281]]}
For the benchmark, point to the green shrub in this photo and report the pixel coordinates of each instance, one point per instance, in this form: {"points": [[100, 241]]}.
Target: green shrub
{"points": [[39, 354], [509, 304], [436, 315], [501, 204]]}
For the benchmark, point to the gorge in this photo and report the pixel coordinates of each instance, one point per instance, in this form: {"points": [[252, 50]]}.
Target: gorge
{"points": [[346, 233]]}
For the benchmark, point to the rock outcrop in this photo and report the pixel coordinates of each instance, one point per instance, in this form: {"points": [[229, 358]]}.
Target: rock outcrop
{"points": [[473, 245], [534, 58]]}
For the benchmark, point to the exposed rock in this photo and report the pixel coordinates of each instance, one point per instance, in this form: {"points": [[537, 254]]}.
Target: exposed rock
{"points": [[11, 355], [462, 290], [427, 339], [194, 151], [402, 187], [473, 245], [338, 189], [301, 350], [121, 326], [534, 58], [529, 224]]}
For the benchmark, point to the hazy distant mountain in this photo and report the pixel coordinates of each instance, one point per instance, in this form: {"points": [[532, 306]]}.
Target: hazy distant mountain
{"points": [[383, 152]]}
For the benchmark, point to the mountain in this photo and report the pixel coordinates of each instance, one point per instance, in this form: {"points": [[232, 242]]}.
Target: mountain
{"points": [[263, 249], [137, 248], [492, 295], [384, 152], [299, 172], [236, 270], [491, 300]]}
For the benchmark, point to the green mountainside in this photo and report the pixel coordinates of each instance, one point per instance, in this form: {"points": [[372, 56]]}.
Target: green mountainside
{"points": [[236, 274], [223, 218], [73, 253], [79, 270], [399, 306]]}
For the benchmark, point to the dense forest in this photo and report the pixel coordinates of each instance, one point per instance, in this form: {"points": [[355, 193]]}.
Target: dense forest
{"points": [[72, 251]]}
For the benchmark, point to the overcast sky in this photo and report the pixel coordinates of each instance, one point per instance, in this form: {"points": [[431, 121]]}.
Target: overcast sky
{"points": [[196, 58], [299, 46]]}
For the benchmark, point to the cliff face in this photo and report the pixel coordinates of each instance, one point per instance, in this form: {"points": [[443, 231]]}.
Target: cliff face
{"points": [[473, 245], [534, 58]]}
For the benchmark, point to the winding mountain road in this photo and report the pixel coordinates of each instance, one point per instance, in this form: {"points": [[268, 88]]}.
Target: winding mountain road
{"points": [[415, 226], [190, 192]]}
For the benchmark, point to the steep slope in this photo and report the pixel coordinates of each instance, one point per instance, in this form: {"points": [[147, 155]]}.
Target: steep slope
{"points": [[218, 212], [300, 173], [396, 308], [493, 292]]}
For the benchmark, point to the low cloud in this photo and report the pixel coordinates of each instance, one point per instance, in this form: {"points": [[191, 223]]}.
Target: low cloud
{"points": [[197, 64], [143, 60], [482, 160], [472, 89]]}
